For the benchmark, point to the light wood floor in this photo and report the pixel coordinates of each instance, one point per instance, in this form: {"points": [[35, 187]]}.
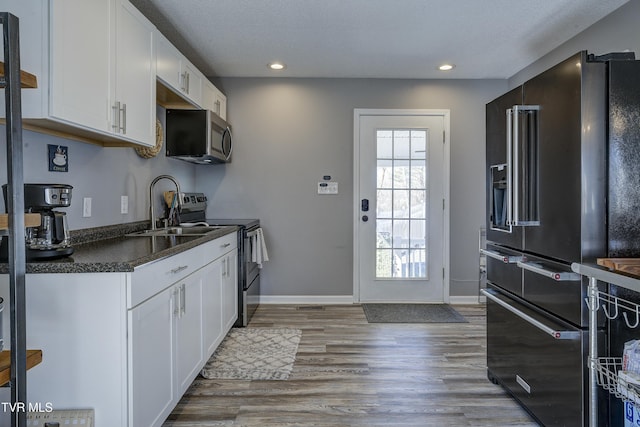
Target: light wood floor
{"points": [[352, 373]]}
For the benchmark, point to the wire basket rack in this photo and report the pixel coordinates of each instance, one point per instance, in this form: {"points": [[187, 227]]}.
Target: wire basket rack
{"points": [[607, 369]]}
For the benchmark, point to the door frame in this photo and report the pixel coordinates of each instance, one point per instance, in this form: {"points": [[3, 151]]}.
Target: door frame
{"points": [[446, 116]]}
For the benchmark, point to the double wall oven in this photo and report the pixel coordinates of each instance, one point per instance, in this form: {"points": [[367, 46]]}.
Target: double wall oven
{"points": [[550, 192]]}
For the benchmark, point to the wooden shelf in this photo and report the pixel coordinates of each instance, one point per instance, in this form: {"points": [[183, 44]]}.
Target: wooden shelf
{"points": [[27, 80], [30, 220], [34, 357]]}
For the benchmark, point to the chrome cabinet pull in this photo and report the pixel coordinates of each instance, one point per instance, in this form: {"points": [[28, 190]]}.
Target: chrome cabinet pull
{"points": [[183, 299], [226, 245], [558, 276], [116, 116], [176, 302], [123, 110], [183, 81], [559, 335], [507, 259]]}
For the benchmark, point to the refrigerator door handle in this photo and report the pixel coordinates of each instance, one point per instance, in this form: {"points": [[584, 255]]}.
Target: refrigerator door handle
{"points": [[522, 160], [507, 259], [556, 334], [558, 276]]}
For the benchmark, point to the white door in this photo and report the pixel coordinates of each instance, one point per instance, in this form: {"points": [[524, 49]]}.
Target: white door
{"points": [[401, 191]]}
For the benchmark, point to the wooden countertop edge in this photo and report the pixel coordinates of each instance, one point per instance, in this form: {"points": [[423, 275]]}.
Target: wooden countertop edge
{"points": [[30, 220], [625, 265], [34, 357], [27, 80]]}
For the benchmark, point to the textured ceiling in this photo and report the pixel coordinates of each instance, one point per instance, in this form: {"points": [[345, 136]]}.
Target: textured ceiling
{"points": [[371, 38]]}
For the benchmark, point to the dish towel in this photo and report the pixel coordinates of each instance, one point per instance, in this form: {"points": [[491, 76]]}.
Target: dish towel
{"points": [[258, 248]]}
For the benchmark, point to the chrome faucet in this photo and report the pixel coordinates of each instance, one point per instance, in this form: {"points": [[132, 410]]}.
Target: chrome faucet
{"points": [[153, 183]]}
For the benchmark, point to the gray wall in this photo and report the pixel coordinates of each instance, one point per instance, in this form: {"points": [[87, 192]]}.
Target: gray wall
{"points": [[288, 133], [104, 174], [616, 32]]}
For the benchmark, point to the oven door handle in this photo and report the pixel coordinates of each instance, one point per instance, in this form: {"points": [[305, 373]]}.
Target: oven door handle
{"points": [[559, 335], [507, 259], [558, 276]]}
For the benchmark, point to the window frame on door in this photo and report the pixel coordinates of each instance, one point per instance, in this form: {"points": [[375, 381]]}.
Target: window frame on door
{"points": [[446, 115]]}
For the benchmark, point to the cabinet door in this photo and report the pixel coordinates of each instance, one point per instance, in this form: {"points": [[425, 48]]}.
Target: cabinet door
{"points": [[211, 307], [229, 290], [135, 76], [151, 360], [167, 62], [188, 320], [193, 83], [80, 32]]}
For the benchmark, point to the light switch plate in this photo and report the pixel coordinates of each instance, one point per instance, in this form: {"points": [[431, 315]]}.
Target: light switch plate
{"points": [[330, 187], [124, 204]]}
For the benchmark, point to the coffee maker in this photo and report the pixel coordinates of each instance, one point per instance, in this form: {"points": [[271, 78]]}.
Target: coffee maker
{"points": [[51, 238]]}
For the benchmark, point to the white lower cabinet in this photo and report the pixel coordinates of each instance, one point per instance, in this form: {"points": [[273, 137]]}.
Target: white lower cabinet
{"points": [[151, 342], [128, 345], [166, 350], [229, 280]]}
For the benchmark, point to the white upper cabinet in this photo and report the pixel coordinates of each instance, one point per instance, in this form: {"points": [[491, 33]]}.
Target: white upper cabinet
{"points": [[95, 68], [133, 108], [214, 100], [80, 61], [177, 73]]}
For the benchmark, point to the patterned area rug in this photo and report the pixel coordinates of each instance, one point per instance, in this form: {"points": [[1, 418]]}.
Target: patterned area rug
{"points": [[412, 313], [254, 354]]}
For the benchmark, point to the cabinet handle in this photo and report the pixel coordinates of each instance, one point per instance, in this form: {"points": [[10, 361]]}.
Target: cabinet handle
{"points": [[226, 245], [188, 81], [116, 117], [558, 276], [507, 259], [179, 269], [556, 334], [183, 299], [218, 107], [176, 302], [123, 111]]}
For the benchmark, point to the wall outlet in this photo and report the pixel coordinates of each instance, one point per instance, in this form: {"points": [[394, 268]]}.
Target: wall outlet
{"points": [[124, 204], [86, 207]]}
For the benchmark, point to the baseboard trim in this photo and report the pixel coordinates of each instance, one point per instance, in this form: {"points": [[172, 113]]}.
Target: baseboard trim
{"points": [[306, 299], [348, 299], [467, 299]]}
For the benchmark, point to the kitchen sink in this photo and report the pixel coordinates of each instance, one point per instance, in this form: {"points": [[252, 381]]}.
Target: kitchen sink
{"points": [[175, 231]]}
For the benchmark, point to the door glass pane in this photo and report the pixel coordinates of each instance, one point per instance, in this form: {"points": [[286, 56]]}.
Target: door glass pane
{"points": [[402, 203]]}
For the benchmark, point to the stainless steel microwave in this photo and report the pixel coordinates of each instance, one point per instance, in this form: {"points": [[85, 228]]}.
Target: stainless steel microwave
{"points": [[197, 136]]}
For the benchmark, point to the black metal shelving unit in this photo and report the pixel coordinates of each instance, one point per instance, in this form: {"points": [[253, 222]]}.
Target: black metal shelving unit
{"points": [[15, 207]]}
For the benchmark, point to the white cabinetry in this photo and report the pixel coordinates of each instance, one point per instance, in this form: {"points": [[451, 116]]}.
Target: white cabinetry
{"points": [[152, 360], [229, 282], [133, 108], [214, 100], [177, 73], [95, 68], [128, 344], [166, 350]]}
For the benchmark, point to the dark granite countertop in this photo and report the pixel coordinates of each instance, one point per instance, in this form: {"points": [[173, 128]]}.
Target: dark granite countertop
{"points": [[107, 249]]}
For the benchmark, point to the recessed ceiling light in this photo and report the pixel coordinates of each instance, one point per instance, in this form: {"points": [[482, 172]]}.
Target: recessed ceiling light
{"points": [[446, 67], [277, 66]]}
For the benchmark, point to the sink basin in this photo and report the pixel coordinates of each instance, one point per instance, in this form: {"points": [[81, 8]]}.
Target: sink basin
{"points": [[175, 231]]}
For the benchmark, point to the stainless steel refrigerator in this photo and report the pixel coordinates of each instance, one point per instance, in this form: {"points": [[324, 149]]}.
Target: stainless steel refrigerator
{"points": [[562, 186]]}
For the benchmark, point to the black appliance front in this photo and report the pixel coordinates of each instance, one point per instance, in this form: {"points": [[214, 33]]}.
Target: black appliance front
{"points": [[248, 270], [547, 375], [496, 155], [571, 97]]}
